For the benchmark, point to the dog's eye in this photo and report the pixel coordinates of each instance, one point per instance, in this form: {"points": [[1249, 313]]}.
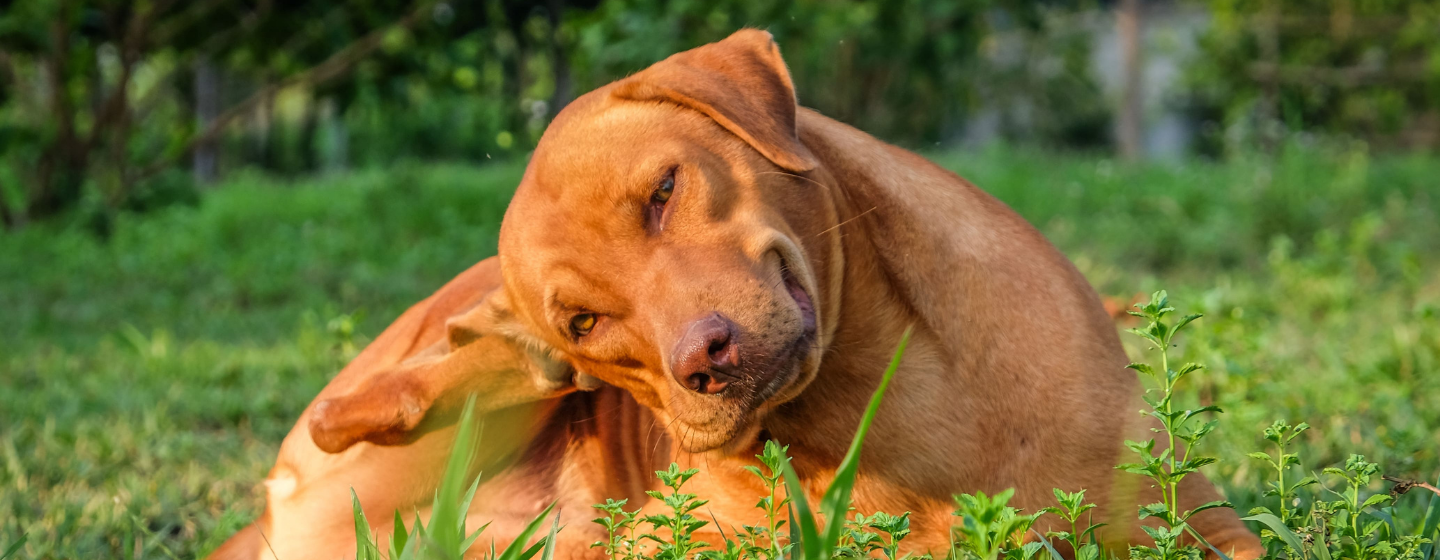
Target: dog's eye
{"points": [[580, 325], [655, 210], [664, 189]]}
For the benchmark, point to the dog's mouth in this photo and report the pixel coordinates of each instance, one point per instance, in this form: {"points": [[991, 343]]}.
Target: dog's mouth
{"points": [[787, 362], [753, 392], [802, 299]]}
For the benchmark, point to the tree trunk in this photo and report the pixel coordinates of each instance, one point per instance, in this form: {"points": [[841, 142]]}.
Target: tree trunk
{"points": [[1129, 117], [559, 59], [1268, 118], [206, 164]]}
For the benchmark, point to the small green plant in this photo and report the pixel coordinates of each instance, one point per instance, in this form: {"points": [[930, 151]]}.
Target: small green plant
{"points": [[680, 522], [896, 527], [765, 542], [1072, 506], [446, 537], [1357, 540], [619, 524], [1358, 524], [1282, 435], [990, 529], [1170, 465], [1347, 527]]}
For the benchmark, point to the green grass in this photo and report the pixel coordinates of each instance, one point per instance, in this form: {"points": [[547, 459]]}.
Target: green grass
{"points": [[146, 380]]}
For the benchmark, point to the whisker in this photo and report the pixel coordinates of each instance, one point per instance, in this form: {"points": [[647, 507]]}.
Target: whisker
{"points": [[852, 218], [788, 174]]}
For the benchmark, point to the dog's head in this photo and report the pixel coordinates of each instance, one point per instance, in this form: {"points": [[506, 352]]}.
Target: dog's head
{"points": [[669, 237]]}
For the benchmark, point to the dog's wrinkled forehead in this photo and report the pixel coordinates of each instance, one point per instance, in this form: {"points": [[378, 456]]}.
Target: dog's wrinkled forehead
{"points": [[576, 210]]}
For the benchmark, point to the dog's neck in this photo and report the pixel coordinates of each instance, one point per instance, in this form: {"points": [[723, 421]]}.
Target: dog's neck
{"points": [[872, 311]]}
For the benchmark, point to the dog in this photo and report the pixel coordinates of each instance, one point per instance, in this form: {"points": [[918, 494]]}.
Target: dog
{"points": [[744, 268], [384, 426]]}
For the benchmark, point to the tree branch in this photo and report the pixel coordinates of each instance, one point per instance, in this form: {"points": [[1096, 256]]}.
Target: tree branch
{"points": [[1402, 485], [335, 66]]}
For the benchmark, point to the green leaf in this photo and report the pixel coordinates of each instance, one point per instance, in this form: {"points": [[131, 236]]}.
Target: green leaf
{"points": [[1261, 455], [1201, 538], [447, 517], [1307, 481], [1281, 530], [1184, 321], [516, 550], [1375, 500], [398, 534], [808, 539], [15, 546], [1205, 506], [1153, 510], [365, 548], [836, 500], [550, 540]]}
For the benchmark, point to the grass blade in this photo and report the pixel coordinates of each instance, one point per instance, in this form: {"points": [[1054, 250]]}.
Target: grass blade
{"points": [[836, 501], [1054, 554], [1427, 530], [801, 518], [1207, 544], [550, 540], [516, 550], [1279, 528], [447, 517], [14, 547], [398, 536], [365, 547]]}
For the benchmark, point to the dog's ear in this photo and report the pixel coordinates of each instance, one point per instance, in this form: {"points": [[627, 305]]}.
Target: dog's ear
{"points": [[741, 83]]}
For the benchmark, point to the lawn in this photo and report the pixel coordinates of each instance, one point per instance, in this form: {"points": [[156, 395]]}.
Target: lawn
{"points": [[147, 379]]}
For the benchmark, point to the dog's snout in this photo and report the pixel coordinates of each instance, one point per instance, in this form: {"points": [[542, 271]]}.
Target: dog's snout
{"points": [[707, 356]]}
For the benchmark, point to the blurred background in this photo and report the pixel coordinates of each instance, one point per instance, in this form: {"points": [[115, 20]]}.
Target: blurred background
{"points": [[208, 206]]}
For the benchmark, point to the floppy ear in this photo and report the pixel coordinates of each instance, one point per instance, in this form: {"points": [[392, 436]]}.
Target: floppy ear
{"points": [[741, 83]]}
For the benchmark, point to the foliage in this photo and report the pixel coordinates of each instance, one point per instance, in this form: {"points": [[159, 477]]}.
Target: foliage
{"points": [[861, 62], [1345, 527], [1366, 69], [102, 100], [446, 537], [817, 538], [1173, 463], [1314, 275], [990, 529], [101, 103]]}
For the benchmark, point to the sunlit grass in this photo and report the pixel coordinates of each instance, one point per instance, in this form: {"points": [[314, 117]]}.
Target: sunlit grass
{"points": [[147, 380]]}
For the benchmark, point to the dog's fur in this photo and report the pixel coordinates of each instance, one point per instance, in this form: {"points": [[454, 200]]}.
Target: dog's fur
{"points": [[384, 426], [820, 244], [1014, 377]]}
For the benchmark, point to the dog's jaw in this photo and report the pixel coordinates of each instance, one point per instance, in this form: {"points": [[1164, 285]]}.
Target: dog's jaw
{"points": [[742, 408]]}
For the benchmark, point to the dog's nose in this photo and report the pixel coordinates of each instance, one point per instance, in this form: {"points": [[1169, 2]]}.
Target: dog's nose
{"points": [[707, 356]]}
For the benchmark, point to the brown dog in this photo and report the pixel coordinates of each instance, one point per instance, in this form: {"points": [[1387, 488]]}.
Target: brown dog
{"points": [[745, 268], [384, 427]]}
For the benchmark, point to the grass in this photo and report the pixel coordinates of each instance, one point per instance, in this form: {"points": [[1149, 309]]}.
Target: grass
{"points": [[146, 380]]}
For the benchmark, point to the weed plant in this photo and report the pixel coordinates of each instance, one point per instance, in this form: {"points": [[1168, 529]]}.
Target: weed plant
{"points": [[1354, 524], [148, 378]]}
